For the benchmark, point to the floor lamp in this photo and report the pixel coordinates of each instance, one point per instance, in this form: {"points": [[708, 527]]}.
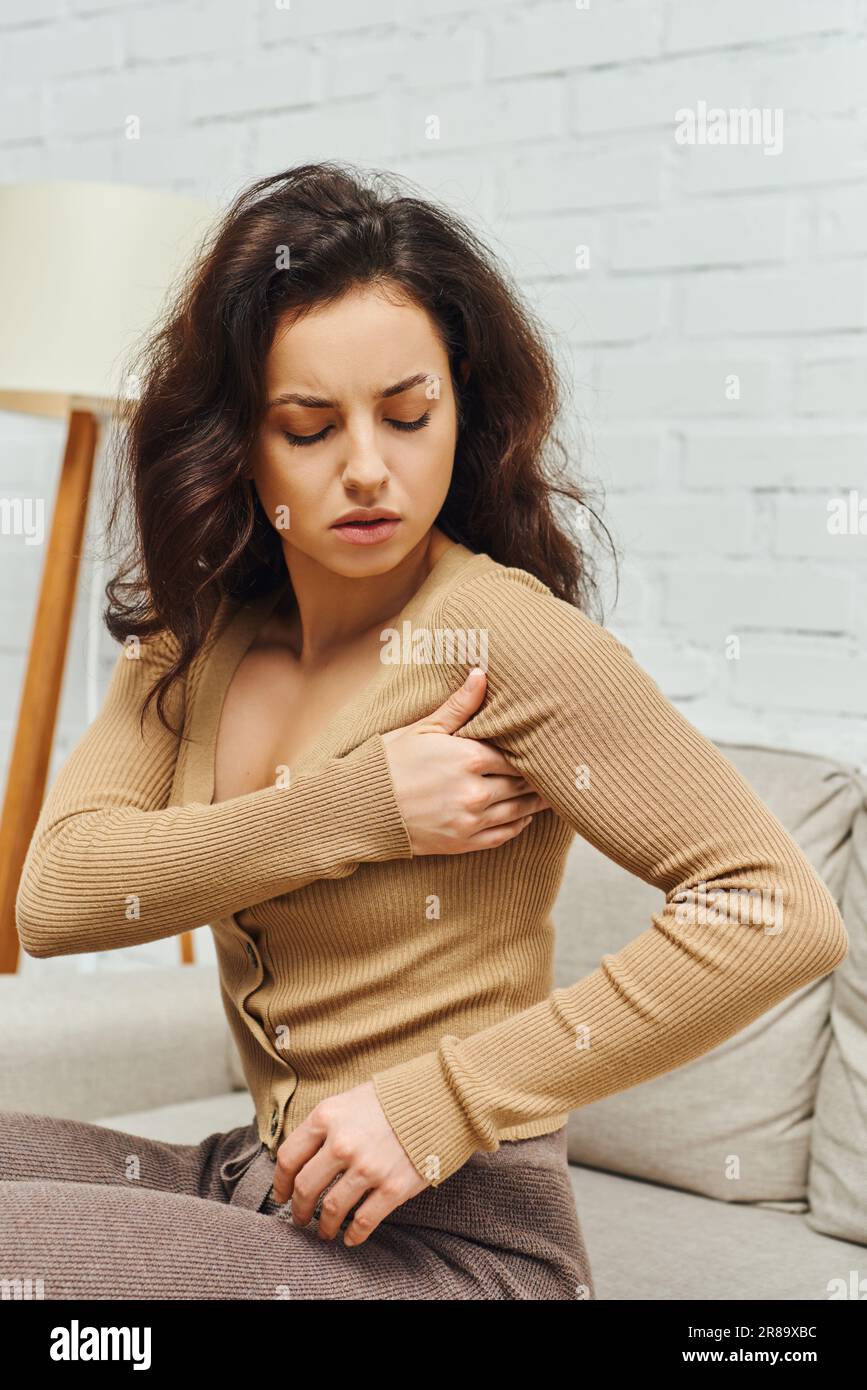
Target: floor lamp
{"points": [[85, 269]]}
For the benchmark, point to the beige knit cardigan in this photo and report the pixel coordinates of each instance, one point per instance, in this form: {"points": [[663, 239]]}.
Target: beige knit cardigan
{"points": [[345, 958]]}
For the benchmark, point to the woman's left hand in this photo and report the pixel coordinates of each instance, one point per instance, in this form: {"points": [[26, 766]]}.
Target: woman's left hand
{"points": [[348, 1134]]}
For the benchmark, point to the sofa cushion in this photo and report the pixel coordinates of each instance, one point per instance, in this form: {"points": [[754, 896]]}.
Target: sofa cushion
{"points": [[654, 1243], [116, 1040], [837, 1185], [188, 1122], [734, 1124]]}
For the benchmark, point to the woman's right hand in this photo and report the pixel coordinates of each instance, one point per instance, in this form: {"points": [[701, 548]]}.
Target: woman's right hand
{"points": [[457, 794]]}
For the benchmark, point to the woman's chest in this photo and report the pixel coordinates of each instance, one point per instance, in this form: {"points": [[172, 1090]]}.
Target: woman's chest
{"points": [[273, 714]]}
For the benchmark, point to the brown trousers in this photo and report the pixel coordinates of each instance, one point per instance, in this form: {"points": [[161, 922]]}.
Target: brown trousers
{"points": [[97, 1213]]}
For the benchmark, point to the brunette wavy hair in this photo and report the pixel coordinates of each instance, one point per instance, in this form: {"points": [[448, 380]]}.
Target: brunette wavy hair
{"points": [[197, 530]]}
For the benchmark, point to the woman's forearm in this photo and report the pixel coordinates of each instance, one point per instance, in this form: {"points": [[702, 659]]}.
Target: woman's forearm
{"points": [[112, 864], [101, 879]]}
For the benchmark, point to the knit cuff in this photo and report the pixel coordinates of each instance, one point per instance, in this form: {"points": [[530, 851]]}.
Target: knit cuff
{"points": [[363, 801], [427, 1117]]}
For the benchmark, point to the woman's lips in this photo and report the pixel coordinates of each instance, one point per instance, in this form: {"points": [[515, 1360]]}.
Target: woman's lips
{"points": [[367, 532]]}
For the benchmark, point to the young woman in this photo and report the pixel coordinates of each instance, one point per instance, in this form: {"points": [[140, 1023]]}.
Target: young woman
{"points": [[340, 464]]}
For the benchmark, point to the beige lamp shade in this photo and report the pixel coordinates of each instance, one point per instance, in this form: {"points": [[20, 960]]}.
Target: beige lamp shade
{"points": [[85, 269]]}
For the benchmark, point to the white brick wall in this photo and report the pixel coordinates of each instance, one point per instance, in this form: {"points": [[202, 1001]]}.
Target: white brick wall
{"points": [[708, 265]]}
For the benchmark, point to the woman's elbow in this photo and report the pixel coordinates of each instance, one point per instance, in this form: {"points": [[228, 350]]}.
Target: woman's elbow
{"points": [[33, 922], [40, 946], [40, 939], [819, 940], [838, 937], [35, 936], [35, 941]]}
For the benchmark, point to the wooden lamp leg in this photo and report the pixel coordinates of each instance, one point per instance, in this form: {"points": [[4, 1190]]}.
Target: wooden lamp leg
{"points": [[40, 696]]}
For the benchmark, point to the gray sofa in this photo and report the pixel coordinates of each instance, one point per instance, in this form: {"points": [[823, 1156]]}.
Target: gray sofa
{"points": [[742, 1175]]}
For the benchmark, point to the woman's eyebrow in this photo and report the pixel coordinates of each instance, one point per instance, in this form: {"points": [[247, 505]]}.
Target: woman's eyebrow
{"points": [[320, 403]]}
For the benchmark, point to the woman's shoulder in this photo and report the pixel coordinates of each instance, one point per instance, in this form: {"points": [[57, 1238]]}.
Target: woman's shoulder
{"points": [[520, 609], [489, 584], [477, 572]]}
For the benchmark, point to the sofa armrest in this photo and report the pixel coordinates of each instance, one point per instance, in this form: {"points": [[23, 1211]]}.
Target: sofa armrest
{"points": [[82, 1046]]}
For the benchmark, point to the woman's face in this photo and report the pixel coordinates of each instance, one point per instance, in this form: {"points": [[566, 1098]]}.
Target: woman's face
{"points": [[366, 418]]}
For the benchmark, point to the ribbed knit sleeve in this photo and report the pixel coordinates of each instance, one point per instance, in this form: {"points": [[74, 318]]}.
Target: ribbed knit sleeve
{"points": [[111, 864], [588, 727]]}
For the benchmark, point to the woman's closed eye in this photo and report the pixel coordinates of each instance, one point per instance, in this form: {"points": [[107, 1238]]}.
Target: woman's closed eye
{"points": [[303, 439]]}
